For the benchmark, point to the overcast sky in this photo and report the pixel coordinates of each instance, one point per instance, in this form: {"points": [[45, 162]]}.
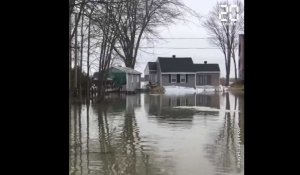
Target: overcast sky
{"points": [[185, 30]]}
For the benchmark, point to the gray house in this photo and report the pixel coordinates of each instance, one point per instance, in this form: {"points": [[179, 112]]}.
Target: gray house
{"points": [[175, 71], [150, 72]]}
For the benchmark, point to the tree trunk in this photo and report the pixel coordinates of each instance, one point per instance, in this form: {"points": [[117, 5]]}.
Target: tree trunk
{"points": [[88, 60], [228, 56], [228, 67], [70, 56], [234, 62], [101, 88], [75, 62], [81, 57]]}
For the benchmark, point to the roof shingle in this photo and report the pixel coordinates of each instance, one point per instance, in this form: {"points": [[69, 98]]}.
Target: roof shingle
{"points": [[206, 67], [152, 65], [182, 64]]}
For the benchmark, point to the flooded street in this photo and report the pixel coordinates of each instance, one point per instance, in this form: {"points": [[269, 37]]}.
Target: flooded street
{"points": [[146, 134]]}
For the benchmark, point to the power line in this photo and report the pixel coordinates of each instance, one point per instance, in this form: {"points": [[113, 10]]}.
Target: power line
{"points": [[183, 38], [179, 48]]}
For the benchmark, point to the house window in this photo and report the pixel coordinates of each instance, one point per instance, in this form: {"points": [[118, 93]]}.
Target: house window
{"points": [[204, 79], [182, 78], [201, 79], [137, 79], [173, 78], [132, 78]]}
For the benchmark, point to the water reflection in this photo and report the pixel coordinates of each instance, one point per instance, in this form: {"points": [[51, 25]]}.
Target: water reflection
{"points": [[144, 134], [226, 151], [161, 107]]}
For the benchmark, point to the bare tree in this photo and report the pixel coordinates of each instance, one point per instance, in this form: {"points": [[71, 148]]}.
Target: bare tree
{"points": [[75, 61], [224, 34], [81, 55], [88, 57], [102, 18], [140, 17], [115, 29]]}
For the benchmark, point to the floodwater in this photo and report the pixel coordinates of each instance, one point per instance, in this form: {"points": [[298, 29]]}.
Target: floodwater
{"points": [[146, 134]]}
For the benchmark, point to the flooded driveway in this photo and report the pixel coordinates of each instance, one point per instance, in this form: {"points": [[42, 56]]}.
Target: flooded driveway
{"points": [[146, 134]]}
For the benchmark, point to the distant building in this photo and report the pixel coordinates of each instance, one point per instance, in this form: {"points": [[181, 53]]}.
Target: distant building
{"points": [[150, 72], [169, 71], [125, 78], [241, 57]]}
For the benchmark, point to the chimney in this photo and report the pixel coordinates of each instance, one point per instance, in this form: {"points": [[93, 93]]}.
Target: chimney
{"points": [[205, 62], [174, 56]]}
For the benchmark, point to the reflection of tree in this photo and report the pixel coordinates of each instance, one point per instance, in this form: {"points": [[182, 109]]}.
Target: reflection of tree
{"points": [[241, 117], [88, 136], [73, 150], [225, 150], [120, 152], [75, 144], [118, 148]]}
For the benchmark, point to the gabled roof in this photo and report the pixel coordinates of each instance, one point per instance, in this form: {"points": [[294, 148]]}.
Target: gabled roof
{"points": [[152, 65], [185, 64], [178, 64], [120, 69], [206, 67], [126, 70]]}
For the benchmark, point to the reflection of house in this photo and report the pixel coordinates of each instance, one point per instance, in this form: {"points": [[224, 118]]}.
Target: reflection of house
{"points": [[132, 101], [122, 77], [212, 101], [241, 56], [159, 104], [169, 71], [185, 100]]}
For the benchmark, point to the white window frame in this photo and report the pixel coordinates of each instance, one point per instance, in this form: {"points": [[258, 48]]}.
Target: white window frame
{"points": [[182, 75], [172, 76]]}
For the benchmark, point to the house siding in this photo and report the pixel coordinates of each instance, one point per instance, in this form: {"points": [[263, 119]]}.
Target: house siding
{"points": [[190, 81], [153, 77], [215, 78], [133, 85]]}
